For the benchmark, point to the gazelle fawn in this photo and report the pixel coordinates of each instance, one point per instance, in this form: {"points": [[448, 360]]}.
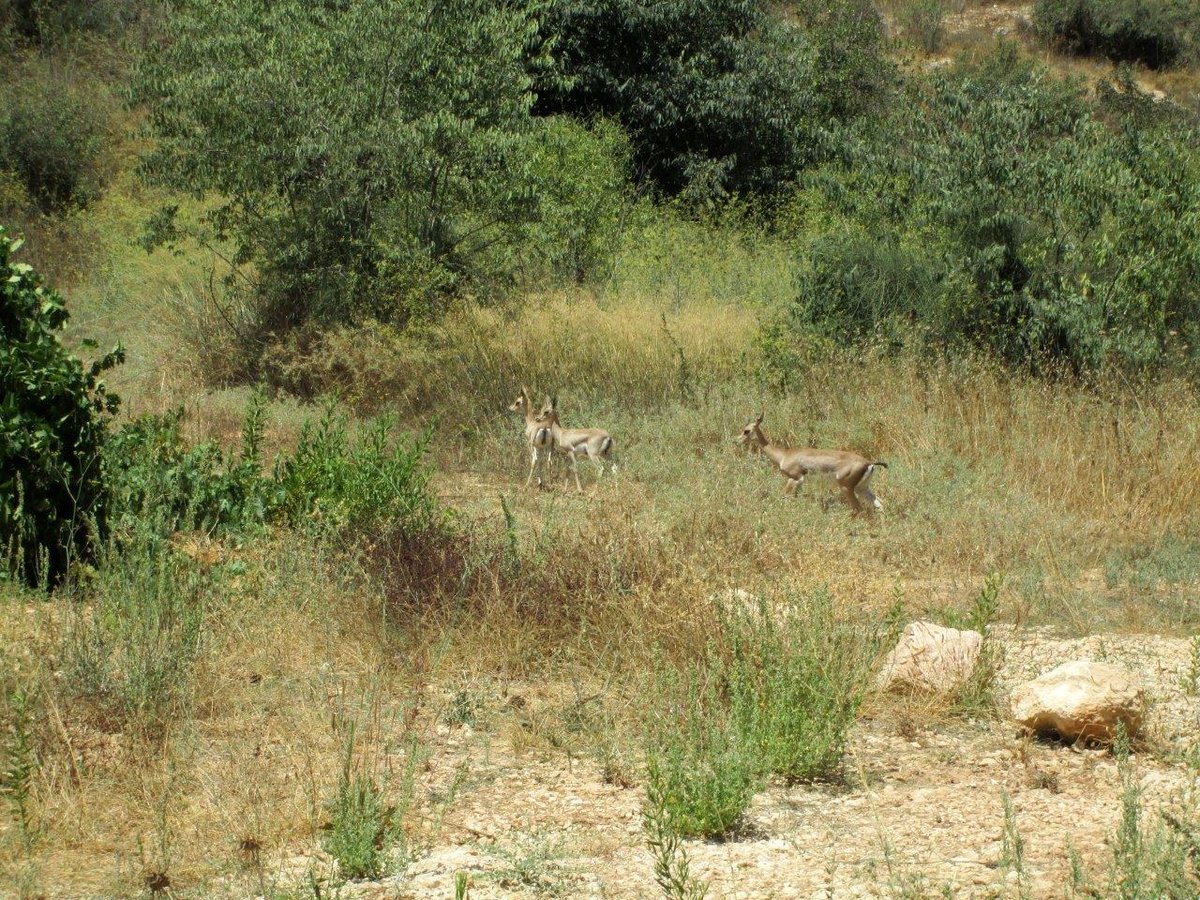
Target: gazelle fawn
{"points": [[594, 443], [539, 435], [851, 471]]}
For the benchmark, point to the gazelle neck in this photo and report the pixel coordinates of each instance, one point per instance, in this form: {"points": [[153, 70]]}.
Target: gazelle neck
{"points": [[773, 452]]}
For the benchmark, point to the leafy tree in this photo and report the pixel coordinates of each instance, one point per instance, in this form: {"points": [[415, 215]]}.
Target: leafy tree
{"points": [[996, 207], [717, 95], [365, 153], [53, 419]]}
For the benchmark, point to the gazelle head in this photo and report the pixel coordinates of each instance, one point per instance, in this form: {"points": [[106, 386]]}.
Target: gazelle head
{"points": [[549, 411], [752, 437], [522, 404]]}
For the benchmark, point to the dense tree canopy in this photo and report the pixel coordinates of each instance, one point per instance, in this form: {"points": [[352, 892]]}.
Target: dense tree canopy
{"points": [[364, 151], [718, 97]]}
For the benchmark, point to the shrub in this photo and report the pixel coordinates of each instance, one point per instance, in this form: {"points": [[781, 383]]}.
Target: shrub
{"points": [[1155, 32], [995, 208], [796, 678], [53, 134], [356, 486], [716, 97], [924, 21], [699, 772], [156, 478], [53, 420], [329, 482], [357, 825], [51, 21]]}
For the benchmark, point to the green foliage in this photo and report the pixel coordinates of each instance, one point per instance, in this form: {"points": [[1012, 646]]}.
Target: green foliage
{"points": [[853, 75], [1012, 849], [357, 485], [50, 22], [360, 827], [54, 132], [365, 154], [924, 23], [155, 477], [1155, 32], [672, 869], [53, 420], [584, 197], [20, 768], [698, 769], [329, 482], [796, 678], [997, 209], [132, 648], [716, 96]]}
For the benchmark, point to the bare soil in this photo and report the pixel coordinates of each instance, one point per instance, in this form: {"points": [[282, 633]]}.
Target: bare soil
{"points": [[920, 810]]}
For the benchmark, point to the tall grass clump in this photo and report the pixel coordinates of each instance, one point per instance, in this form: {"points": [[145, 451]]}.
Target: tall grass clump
{"points": [[699, 774], [796, 676], [135, 637], [361, 828]]}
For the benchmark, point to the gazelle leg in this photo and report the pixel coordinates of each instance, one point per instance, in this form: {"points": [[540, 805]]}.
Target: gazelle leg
{"points": [[533, 461], [851, 497], [575, 471], [866, 494]]}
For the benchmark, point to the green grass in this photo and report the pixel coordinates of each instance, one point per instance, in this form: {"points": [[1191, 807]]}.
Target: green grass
{"points": [[797, 675]]}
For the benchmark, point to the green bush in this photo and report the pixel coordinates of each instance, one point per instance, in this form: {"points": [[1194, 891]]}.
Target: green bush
{"points": [[699, 772], [796, 678], [361, 827], [716, 97], [47, 22], [584, 199], [53, 420], [924, 22], [350, 184], [54, 131], [1155, 32], [329, 482], [997, 208], [155, 477]]}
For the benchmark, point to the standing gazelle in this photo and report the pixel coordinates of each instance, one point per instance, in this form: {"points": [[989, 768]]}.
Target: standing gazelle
{"points": [[594, 443], [539, 435], [851, 471]]}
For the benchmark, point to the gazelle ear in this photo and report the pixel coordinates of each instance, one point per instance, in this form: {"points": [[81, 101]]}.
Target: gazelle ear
{"points": [[525, 392], [554, 403], [758, 421]]}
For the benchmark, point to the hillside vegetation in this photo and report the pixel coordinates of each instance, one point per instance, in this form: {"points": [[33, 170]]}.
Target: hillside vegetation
{"points": [[281, 616]]}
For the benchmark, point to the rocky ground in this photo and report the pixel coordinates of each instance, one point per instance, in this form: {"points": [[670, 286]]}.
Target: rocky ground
{"points": [[921, 812]]}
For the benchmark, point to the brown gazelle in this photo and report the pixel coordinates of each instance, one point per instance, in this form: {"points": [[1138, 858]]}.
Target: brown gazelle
{"points": [[594, 443], [851, 471], [539, 435]]}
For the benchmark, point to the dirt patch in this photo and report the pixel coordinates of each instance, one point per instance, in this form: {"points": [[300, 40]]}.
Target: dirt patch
{"points": [[921, 809]]}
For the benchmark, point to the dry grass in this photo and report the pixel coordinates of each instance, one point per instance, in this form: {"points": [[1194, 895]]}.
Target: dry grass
{"points": [[1084, 498]]}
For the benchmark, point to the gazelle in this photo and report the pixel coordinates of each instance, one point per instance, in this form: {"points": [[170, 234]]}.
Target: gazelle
{"points": [[594, 443], [851, 471], [539, 435]]}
